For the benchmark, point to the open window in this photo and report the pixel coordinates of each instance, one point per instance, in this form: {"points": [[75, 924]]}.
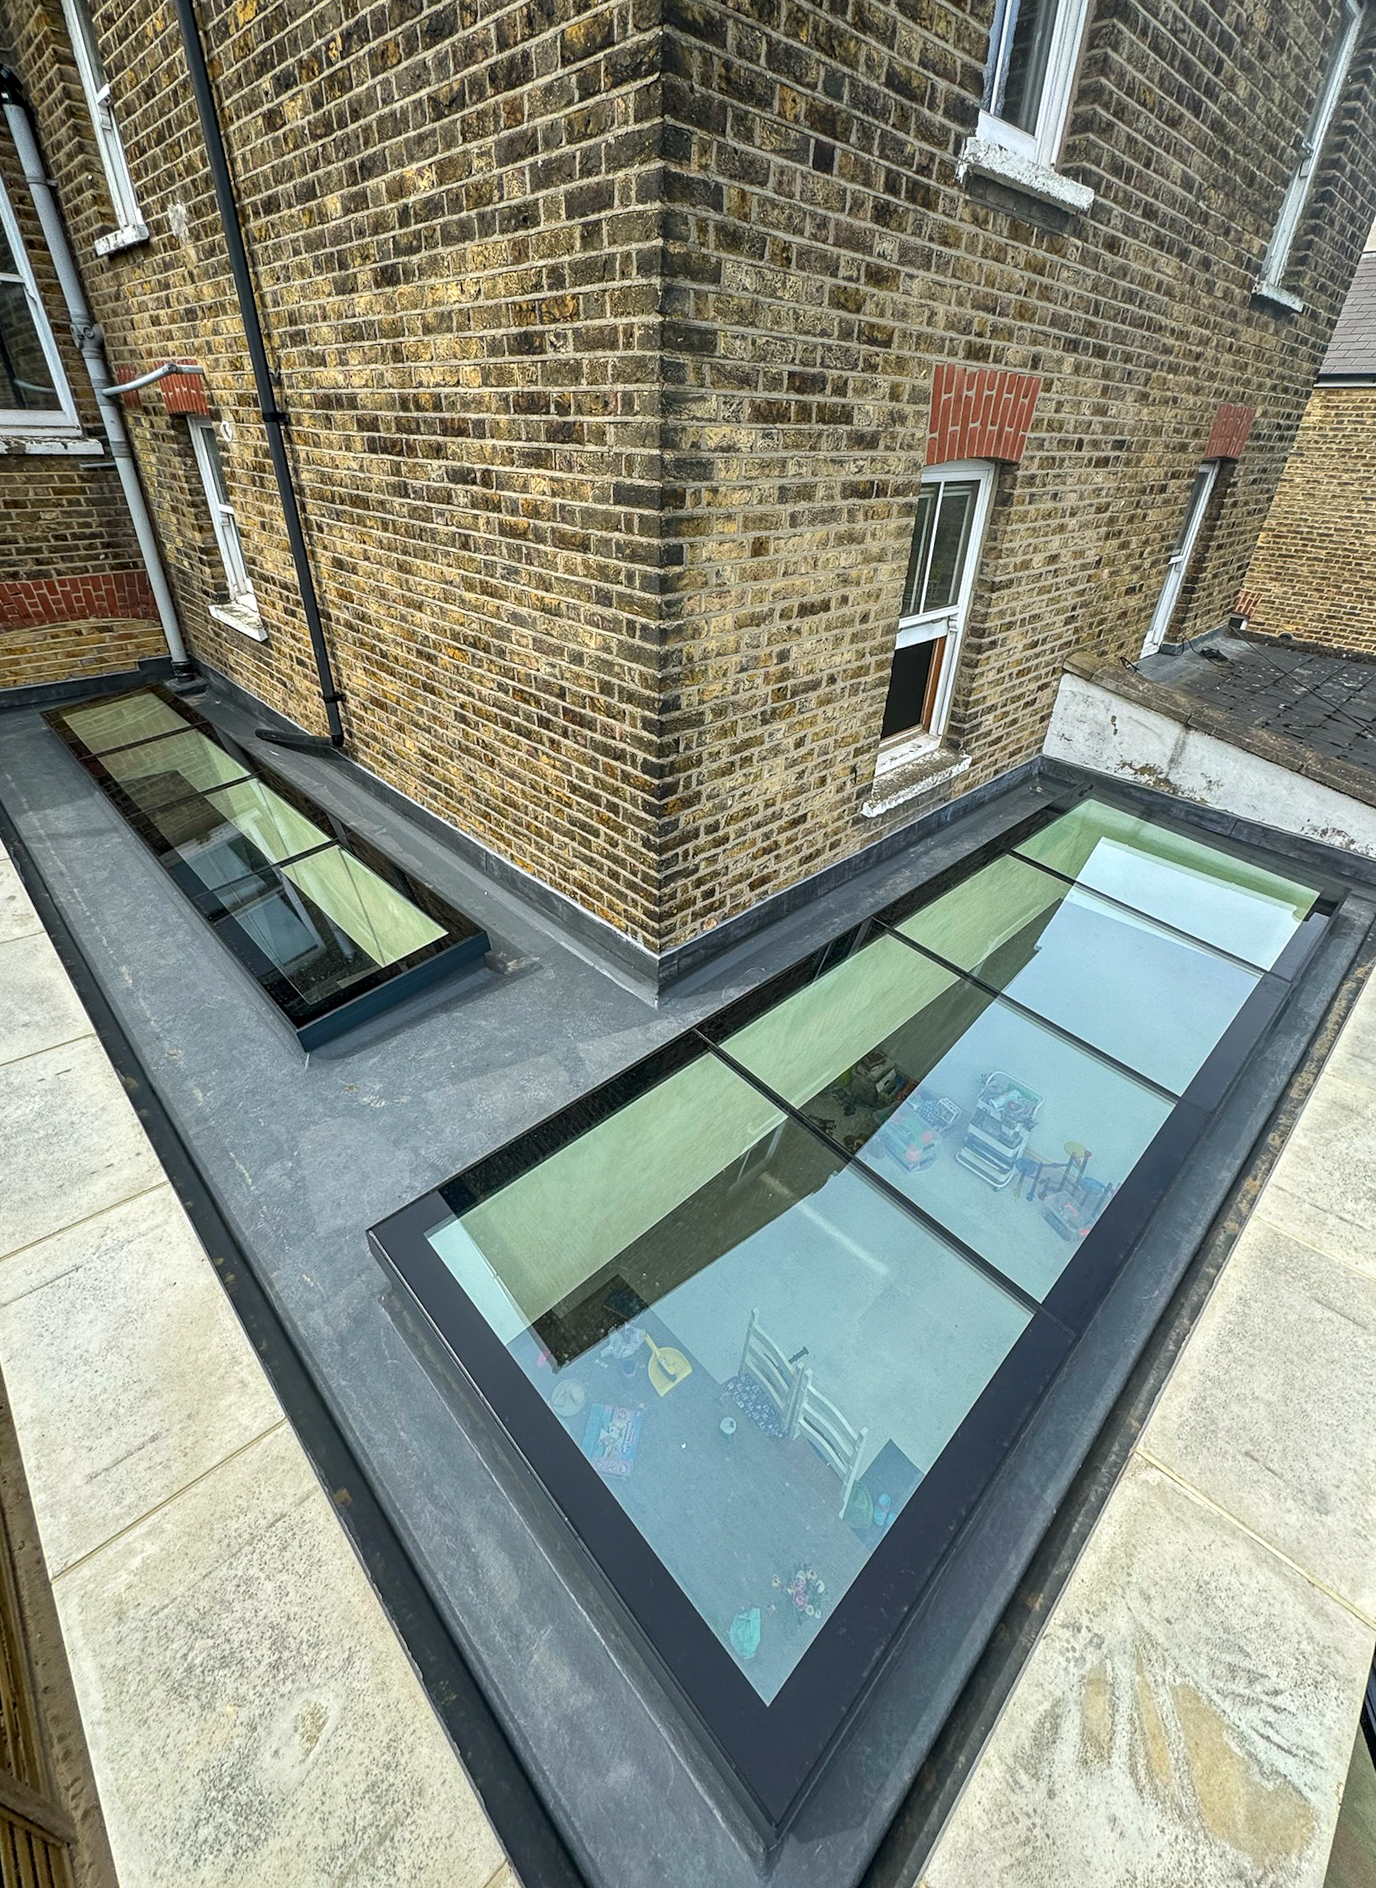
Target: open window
{"points": [[1033, 53], [34, 394], [129, 224], [952, 509], [1270, 283], [241, 609], [1181, 557]]}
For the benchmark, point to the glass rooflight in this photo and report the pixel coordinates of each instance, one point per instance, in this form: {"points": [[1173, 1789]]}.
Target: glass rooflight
{"points": [[331, 930], [766, 1312]]}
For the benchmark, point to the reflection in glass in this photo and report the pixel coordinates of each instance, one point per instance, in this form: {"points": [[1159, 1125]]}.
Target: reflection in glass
{"points": [[102, 725], [759, 1353], [26, 379], [1225, 901], [1085, 963], [159, 772], [363, 906], [272, 823], [325, 921], [1019, 96], [945, 515]]}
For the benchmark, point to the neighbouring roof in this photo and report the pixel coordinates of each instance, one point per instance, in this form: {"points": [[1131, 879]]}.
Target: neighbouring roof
{"points": [[1353, 347]]}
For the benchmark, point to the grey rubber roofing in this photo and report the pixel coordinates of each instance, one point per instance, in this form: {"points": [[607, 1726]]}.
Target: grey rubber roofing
{"points": [[1353, 347]]}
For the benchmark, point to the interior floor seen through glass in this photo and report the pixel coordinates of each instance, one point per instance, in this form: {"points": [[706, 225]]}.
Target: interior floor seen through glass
{"points": [[764, 1298]]}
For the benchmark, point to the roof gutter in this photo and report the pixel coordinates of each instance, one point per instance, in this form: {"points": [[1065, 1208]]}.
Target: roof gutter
{"points": [[274, 419]]}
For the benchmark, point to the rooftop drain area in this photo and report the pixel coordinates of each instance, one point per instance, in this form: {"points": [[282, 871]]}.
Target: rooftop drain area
{"points": [[300, 1156], [331, 930], [765, 1313]]}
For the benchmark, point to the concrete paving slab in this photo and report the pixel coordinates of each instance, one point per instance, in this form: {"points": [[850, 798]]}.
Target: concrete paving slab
{"points": [[157, 1383], [1354, 1053], [72, 1143], [252, 1723], [1268, 1409], [1187, 1717], [1323, 1188], [17, 915], [40, 1008]]}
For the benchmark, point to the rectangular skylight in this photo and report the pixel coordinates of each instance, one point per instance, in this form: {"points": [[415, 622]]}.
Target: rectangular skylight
{"points": [[331, 930], [765, 1312]]}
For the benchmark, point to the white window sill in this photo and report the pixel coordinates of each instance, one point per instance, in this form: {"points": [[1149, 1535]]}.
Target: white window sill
{"points": [[985, 158], [48, 442], [932, 768], [241, 616], [1265, 291], [127, 238]]}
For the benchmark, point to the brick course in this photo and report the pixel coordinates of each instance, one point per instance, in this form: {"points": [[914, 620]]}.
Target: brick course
{"points": [[1313, 576], [610, 336]]}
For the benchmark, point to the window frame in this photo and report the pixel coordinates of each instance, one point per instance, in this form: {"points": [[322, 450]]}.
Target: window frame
{"points": [[20, 420], [1043, 144], [241, 612], [945, 625], [1269, 284], [129, 227], [1178, 563]]}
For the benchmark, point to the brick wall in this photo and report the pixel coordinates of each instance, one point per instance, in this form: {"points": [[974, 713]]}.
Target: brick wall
{"points": [[1314, 573], [825, 266], [609, 335]]}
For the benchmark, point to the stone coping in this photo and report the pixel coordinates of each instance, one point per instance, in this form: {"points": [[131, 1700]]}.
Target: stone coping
{"points": [[251, 1717], [1188, 1712]]}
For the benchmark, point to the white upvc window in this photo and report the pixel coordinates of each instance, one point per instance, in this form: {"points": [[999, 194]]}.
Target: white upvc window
{"points": [[1034, 51], [1270, 284], [952, 511], [241, 610], [34, 394], [1178, 564], [129, 224]]}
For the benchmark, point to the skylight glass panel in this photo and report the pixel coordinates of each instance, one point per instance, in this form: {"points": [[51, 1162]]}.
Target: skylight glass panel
{"points": [[330, 929]]}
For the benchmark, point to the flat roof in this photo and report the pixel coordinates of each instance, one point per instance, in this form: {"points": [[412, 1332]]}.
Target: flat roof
{"points": [[303, 1155]]}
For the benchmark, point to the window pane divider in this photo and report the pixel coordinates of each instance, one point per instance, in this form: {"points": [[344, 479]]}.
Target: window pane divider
{"points": [[887, 1188], [1034, 1016], [182, 799]]}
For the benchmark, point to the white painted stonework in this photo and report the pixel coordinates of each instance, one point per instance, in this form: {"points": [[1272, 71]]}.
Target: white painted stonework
{"points": [[1092, 727]]}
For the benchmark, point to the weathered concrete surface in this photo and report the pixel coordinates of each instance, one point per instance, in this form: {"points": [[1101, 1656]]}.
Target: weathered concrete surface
{"points": [[1118, 724], [251, 1718], [1187, 1715]]}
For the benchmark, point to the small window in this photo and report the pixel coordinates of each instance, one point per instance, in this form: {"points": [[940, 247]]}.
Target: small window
{"points": [[1177, 568], [1033, 52], [951, 510], [129, 225], [1270, 283], [34, 395], [242, 610]]}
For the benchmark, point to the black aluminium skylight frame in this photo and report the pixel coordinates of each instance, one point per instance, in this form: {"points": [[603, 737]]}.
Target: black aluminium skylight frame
{"points": [[773, 1753], [462, 943]]}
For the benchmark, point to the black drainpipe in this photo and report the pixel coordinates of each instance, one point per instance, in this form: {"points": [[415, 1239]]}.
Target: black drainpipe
{"points": [[274, 419]]}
